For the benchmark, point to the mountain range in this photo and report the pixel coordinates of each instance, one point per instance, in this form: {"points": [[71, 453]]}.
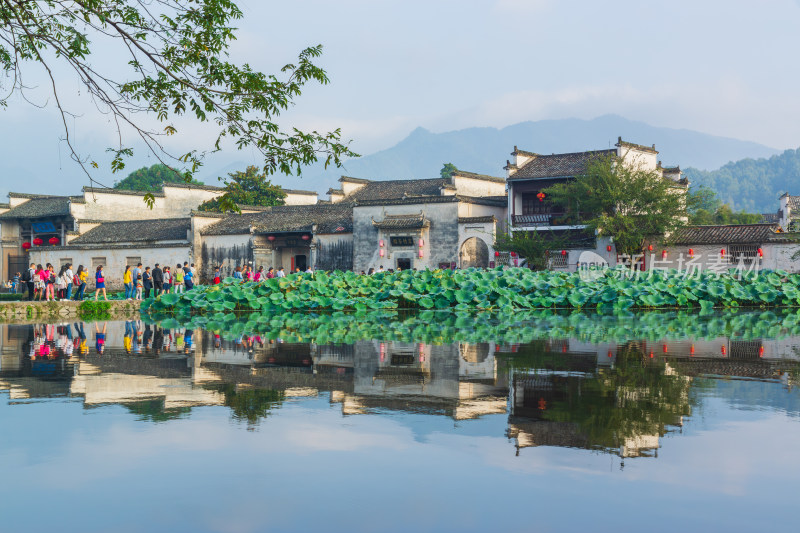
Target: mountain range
{"points": [[485, 150]]}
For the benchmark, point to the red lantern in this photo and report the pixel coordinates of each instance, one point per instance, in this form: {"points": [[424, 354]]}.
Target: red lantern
{"points": [[497, 254], [306, 237], [38, 241], [608, 248], [540, 196], [722, 252], [760, 252], [54, 241], [420, 254], [380, 243], [691, 350], [650, 248], [421, 243], [270, 238], [513, 254], [563, 252], [610, 355], [663, 254], [26, 246], [664, 348], [381, 252], [761, 351], [691, 252], [723, 350]]}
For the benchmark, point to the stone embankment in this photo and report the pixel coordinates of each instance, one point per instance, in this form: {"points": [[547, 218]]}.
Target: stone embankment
{"points": [[35, 312]]}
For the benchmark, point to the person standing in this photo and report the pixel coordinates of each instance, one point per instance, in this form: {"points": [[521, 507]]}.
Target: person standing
{"points": [[237, 274], [49, 276], [217, 276], [270, 273], [158, 280], [167, 280], [178, 279], [188, 280], [147, 282], [81, 276], [29, 277], [15, 283], [99, 283], [136, 272], [281, 273], [139, 287], [260, 274], [127, 281], [69, 277]]}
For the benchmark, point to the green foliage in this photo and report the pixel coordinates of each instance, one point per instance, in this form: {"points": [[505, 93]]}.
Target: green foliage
{"points": [[499, 289], [448, 169], [169, 62], [511, 327], [150, 179], [94, 310], [705, 208], [625, 201], [534, 246], [752, 184], [246, 188], [10, 297], [250, 405]]}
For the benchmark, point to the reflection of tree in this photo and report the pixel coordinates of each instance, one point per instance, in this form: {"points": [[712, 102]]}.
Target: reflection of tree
{"points": [[155, 411], [249, 404], [610, 408]]}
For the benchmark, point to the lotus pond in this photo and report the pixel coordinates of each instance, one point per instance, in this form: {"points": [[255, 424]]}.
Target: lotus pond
{"points": [[504, 290], [386, 420]]}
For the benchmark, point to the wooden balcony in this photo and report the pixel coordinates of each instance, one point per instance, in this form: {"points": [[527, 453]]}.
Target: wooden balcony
{"points": [[538, 219]]}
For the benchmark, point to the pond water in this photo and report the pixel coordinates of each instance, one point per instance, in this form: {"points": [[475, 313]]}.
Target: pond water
{"points": [[427, 422]]}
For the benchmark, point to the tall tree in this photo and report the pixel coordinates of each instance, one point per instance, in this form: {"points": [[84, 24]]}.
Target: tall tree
{"points": [[246, 188], [150, 179], [705, 208], [625, 201], [536, 247], [176, 56]]}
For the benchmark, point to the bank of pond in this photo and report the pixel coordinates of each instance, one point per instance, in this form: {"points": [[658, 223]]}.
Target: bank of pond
{"points": [[505, 289]]}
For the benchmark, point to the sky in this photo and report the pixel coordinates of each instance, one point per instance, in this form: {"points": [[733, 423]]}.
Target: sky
{"points": [[720, 67]]}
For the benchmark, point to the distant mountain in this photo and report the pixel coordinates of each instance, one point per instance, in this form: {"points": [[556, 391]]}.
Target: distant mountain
{"points": [[485, 150], [753, 185]]}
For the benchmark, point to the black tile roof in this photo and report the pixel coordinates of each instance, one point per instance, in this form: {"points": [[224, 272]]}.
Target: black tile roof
{"points": [[620, 142], [496, 201], [39, 207], [730, 234], [98, 190], [327, 218], [476, 220], [402, 222], [558, 165], [185, 185], [298, 191], [794, 202], [163, 229], [390, 189]]}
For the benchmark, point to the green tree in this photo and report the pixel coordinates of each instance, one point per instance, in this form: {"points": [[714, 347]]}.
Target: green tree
{"points": [[628, 202], [705, 208], [150, 179], [169, 63], [448, 169], [246, 188]]}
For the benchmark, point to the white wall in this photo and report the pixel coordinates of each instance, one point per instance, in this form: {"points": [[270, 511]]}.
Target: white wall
{"points": [[115, 259], [300, 199], [476, 187]]}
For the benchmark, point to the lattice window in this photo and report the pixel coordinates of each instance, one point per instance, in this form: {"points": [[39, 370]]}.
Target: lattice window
{"points": [[531, 205], [745, 349], [65, 261], [557, 260], [97, 261], [747, 252], [133, 261]]}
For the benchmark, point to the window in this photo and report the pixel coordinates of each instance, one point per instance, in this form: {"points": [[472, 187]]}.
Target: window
{"points": [[133, 261], [531, 205], [747, 252], [98, 261], [65, 261], [557, 260]]}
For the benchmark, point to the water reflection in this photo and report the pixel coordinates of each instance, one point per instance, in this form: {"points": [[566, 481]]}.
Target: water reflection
{"points": [[616, 396]]}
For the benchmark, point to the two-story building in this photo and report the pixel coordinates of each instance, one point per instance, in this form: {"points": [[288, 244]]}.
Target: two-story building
{"points": [[529, 209]]}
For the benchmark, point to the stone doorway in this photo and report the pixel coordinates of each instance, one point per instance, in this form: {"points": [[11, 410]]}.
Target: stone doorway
{"points": [[474, 253]]}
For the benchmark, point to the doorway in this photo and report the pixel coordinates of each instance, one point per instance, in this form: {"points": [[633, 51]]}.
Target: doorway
{"points": [[300, 262], [404, 263]]}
